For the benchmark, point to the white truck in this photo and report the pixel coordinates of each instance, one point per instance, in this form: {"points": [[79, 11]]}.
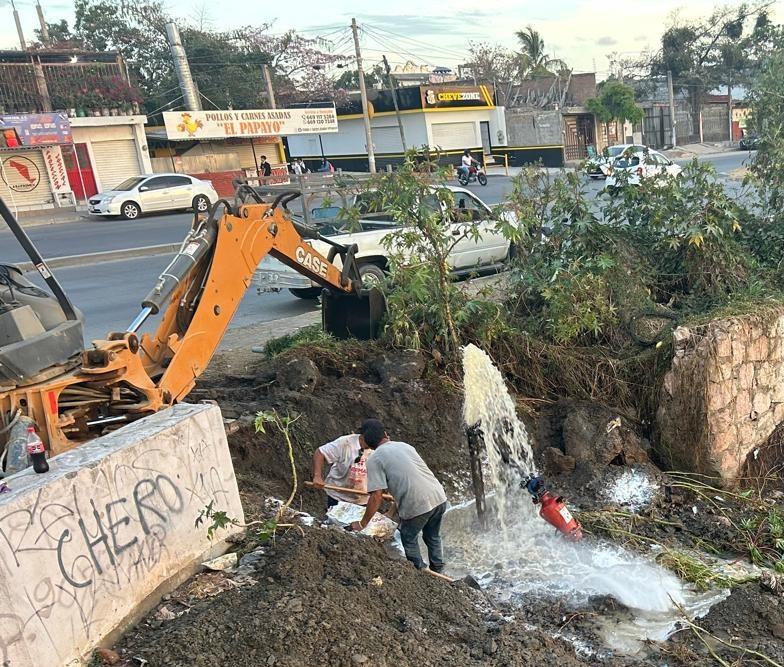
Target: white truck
{"points": [[469, 255]]}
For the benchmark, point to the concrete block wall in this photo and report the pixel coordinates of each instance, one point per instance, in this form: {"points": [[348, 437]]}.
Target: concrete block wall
{"points": [[723, 395], [84, 546]]}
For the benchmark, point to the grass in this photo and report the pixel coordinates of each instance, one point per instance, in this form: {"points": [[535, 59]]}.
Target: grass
{"points": [[310, 335]]}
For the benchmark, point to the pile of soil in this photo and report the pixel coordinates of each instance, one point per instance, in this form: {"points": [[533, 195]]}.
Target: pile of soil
{"points": [[329, 598], [330, 398], [318, 599]]}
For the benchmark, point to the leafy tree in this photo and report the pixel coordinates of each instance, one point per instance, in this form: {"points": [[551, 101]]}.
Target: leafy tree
{"points": [[374, 78], [60, 36], [615, 103], [300, 65], [492, 63], [536, 61], [720, 50]]}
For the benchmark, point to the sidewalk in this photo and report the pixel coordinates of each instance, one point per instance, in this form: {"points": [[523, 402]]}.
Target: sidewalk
{"points": [[52, 216], [699, 150]]}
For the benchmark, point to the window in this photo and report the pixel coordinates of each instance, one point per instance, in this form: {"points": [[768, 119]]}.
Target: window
{"points": [[466, 208], [177, 181], [158, 183], [625, 162], [129, 184]]}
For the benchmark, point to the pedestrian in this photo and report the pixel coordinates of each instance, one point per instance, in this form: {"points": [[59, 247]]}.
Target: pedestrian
{"points": [[265, 170], [347, 457], [421, 500], [303, 167], [326, 166], [296, 168]]}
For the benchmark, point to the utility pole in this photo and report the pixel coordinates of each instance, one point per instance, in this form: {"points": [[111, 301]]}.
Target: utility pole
{"points": [[268, 81], [671, 94], [42, 21], [363, 94], [393, 88], [22, 42], [189, 93]]}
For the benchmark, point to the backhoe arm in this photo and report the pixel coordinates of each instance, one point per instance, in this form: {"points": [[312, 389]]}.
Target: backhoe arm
{"points": [[201, 307]]}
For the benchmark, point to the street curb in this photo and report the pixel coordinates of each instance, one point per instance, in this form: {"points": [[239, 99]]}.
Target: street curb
{"points": [[71, 261]]}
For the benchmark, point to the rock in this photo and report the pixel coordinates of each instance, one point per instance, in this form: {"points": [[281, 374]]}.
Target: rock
{"points": [[490, 647], [358, 659], [300, 375], [399, 367], [595, 434], [557, 462], [271, 661], [107, 656]]}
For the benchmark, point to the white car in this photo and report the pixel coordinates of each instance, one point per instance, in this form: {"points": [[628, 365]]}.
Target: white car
{"points": [[468, 255], [154, 192], [638, 166], [593, 165]]}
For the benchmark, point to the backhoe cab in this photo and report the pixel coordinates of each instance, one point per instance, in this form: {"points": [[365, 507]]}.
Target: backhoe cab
{"points": [[72, 395]]}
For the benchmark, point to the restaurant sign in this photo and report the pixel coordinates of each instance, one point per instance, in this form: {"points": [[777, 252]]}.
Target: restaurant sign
{"points": [[453, 97], [194, 125]]}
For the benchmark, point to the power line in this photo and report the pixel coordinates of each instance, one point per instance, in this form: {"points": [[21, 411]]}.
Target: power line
{"points": [[443, 50]]}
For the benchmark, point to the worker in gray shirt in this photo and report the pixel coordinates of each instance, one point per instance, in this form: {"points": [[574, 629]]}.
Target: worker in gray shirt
{"points": [[420, 498]]}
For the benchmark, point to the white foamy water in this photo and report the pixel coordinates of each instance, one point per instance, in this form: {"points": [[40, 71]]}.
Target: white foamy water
{"points": [[520, 554], [633, 489]]}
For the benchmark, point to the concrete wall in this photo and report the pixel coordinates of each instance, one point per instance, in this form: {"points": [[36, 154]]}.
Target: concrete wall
{"points": [[83, 545], [723, 395], [533, 128]]}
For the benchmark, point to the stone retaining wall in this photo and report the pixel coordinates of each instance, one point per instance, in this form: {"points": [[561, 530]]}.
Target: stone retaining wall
{"points": [[723, 395], [84, 546]]}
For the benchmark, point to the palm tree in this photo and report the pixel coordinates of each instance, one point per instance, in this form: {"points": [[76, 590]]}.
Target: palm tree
{"points": [[535, 60]]}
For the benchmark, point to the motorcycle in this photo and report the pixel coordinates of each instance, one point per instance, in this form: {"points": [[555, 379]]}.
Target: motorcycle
{"points": [[474, 174]]}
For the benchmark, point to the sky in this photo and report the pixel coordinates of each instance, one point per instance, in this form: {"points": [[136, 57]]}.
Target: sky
{"points": [[581, 32]]}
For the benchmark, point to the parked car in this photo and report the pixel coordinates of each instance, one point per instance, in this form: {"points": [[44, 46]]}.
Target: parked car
{"points": [[468, 255], [638, 166], [593, 165], [154, 192], [750, 142]]}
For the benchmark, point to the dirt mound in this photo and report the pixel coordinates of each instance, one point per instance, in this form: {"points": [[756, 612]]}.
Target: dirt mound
{"points": [[335, 599], [418, 408]]}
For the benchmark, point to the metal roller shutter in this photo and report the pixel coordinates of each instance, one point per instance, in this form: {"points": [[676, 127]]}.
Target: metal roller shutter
{"points": [[114, 161], [26, 172], [449, 136], [243, 151]]}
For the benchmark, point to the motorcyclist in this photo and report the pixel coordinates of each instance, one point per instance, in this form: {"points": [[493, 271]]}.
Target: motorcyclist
{"points": [[467, 161]]}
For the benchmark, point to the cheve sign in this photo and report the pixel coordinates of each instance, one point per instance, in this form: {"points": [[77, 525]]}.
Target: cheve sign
{"points": [[248, 123], [459, 96]]}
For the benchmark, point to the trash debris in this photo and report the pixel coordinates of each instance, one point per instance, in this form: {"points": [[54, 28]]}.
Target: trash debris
{"points": [[221, 563], [165, 614], [4, 488], [107, 656], [377, 581], [346, 513]]}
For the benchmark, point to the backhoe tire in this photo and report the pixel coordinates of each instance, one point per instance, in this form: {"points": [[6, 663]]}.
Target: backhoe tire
{"points": [[201, 204], [130, 210], [306, 292], [372, 275]]}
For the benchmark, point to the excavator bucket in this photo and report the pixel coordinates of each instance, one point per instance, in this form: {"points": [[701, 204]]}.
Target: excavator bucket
{"points": [[353, 315]]}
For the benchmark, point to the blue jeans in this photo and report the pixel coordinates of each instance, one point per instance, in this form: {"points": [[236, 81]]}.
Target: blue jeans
{"points": [[429, 524], [463, 170]]}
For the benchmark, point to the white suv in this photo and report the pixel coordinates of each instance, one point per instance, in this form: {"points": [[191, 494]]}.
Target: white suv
{"points": [[154, 192]]}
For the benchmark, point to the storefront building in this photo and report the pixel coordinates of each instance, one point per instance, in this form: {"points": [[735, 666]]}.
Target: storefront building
{"points": [[221, 146], [447, 119], [50, 161]]}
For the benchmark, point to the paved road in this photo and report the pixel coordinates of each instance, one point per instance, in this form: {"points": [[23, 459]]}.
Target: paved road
{"points": [[109, 293]]}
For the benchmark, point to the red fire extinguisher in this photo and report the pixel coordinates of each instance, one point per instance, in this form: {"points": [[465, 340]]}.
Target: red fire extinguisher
{"points": [[553, 509]]}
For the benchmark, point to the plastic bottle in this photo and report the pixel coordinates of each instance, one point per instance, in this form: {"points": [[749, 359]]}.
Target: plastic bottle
{"points": [[36, 451]]}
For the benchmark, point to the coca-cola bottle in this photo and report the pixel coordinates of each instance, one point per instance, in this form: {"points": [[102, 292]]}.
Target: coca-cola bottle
{"points": [[36, 450]]}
